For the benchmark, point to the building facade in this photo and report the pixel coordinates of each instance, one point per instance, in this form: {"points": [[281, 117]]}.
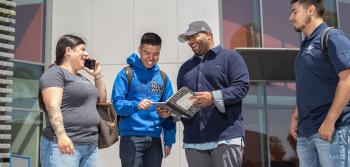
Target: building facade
{"points": [[112, 30], [7, 40]]}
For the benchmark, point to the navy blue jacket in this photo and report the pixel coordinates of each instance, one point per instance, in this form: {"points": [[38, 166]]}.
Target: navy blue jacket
{"points": [[219, 69]]}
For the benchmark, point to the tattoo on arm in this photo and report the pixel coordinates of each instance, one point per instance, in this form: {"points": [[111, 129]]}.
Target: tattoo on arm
{"points": [[100, 93], [56, 119]]}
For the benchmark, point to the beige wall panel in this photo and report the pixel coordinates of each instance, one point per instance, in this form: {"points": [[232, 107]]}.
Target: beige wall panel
{"points": [[112, 30], [70, 17], [193, 10], [157, 16]]}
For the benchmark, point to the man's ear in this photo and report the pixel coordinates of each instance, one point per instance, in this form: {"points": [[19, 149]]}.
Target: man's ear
{"points": [[209, 35], [311, 10]]}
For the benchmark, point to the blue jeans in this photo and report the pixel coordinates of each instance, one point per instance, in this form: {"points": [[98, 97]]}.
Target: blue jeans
{"points": [[341, 148], [314, 152], [85, 155], [145, 151]]}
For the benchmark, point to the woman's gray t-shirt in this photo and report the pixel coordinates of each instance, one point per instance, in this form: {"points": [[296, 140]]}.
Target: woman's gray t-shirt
{"points": [[78, 107]]}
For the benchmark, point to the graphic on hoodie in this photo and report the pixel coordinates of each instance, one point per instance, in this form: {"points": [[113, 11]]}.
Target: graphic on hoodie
{"points": [[158, 88]]}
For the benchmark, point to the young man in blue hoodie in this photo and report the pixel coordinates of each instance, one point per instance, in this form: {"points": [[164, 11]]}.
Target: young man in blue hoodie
{"points": [[140, 126]]}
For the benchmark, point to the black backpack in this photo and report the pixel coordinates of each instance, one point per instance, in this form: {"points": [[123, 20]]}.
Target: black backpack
{"points": [[129, 75], [324, 39]]}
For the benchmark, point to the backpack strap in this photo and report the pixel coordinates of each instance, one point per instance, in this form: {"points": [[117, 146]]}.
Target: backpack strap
{"points": [[165, 82], [129, 75], [164, 78], [324, 39]]}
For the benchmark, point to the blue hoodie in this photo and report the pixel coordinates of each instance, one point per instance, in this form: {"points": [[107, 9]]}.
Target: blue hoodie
{"points": [[146, 84]]}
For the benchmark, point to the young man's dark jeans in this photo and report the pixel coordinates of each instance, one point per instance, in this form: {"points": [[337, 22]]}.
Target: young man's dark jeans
{"points": [[135, 151]]}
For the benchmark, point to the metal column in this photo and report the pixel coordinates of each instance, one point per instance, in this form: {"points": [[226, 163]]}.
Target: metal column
{"points": [[7, 45]]}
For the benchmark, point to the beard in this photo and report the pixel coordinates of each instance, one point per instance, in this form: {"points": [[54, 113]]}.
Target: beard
{"points": [[306, 22], [203, 48]]}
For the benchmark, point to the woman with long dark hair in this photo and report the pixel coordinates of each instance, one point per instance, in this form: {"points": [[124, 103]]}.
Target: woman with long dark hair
{"points": [[69, 103]]}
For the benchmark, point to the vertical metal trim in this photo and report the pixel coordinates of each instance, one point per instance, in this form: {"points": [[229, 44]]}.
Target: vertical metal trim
{"points": [[262, 24], [91, 29], [267, 127], [48, 33], [260, 102], [264, 90], [43, 51], [337, 13], [177, 34], [48, 43], [133, 24], [221, 27]]}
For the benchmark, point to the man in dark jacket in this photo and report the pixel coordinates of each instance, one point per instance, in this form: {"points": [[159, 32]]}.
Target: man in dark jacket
{"points": [[219, 77]]}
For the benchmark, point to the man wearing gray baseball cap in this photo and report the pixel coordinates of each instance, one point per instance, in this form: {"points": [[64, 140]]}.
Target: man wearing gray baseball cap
{"points": [[194, 28], [219, 78]]}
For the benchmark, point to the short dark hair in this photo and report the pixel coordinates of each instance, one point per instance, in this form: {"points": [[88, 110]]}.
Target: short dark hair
{"points": [[151, 38], [317, 3]]}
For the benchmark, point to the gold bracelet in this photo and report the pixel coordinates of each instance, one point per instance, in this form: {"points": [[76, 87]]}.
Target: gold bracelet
{"points": [[99, 76]]}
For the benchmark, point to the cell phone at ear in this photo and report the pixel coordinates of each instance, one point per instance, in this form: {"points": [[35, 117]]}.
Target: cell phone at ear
{"points": [[90, 64]]}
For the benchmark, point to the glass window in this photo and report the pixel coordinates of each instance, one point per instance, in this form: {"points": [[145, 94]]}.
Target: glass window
{"points": [[280, 96], [25, 85], [280, 100], [255, 151], [26, 116], [25, 134], [29, 30], [241, 23], [344, 12], [241, 28], [331, 13], [278, 30], [29, 44]]}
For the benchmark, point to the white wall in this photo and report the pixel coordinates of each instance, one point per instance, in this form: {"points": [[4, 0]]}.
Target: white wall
{"points": [[112, 30]]}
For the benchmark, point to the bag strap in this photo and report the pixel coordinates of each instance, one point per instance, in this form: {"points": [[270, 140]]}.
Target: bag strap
{"points": [[165, 81], [164, 77], [129, 75], [324, 40], [108, 106], [113, 122]]}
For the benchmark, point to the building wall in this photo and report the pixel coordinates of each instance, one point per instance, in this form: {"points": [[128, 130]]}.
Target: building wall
{"points": [[112, 30]]}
